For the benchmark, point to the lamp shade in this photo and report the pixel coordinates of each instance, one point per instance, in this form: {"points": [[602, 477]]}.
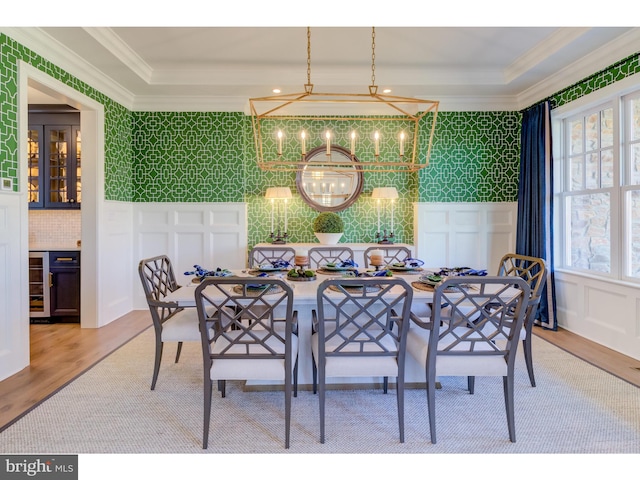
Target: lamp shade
{"points": [[384, 193], [278, 193]]}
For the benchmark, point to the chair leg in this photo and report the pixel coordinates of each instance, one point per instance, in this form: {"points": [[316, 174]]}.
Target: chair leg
{"points": [[528, 357], [400, 399], [222, 387], [507, 383], [295, 379], [321, 399], [315, 375], [208, 392], [178, 351], [287, 411], [471, 384], [385, 385], [431, 406], [156, 363]]}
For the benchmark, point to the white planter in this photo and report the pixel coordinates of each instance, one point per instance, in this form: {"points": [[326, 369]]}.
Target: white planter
{"points": [[328, 238]]}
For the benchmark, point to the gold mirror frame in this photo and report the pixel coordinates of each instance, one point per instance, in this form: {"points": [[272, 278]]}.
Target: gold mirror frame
{"points": [[334, 184]]}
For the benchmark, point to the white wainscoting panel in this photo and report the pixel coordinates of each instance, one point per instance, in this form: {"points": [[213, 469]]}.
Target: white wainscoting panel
{"points": [[603, 311], [14, 287], [474, 235], [208, 234], [116, 258]]}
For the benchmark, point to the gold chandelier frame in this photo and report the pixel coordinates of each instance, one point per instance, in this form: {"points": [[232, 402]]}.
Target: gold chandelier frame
{"points": [[270, 114]]}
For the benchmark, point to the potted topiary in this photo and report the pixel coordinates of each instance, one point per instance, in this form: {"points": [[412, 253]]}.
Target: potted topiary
{"points": [[328, 227]]}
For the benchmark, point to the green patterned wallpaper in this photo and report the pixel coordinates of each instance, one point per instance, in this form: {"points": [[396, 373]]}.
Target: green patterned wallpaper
{"points": [[118, 176]]}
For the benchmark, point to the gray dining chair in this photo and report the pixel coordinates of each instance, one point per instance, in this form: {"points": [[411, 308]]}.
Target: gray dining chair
{"points": [[359, 330], [472, 331], [170, 322], [319, 256], [534, 271], [391, 254], [248, 332], [261, 255]]}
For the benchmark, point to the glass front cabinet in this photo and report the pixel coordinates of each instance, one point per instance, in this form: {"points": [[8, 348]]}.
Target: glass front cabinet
{"points": [[54, 158]]}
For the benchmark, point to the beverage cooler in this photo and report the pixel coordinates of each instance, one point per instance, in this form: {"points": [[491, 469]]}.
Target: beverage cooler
{"points": [[39, 300]]}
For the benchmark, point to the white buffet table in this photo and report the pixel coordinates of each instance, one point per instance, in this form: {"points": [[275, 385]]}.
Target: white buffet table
{"points": [[304, 294]]}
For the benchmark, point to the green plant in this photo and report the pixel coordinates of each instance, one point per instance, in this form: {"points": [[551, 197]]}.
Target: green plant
{"points": [[328, 222]]}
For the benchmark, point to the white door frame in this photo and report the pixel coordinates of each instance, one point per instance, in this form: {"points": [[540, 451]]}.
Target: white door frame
{"points": [[16, 350]]}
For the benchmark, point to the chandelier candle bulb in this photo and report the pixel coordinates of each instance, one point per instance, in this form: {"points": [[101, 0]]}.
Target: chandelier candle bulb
{"points": [[279, 142], [353, 143], [303, 139], [402, 144], [328, 136], [376, 141]]}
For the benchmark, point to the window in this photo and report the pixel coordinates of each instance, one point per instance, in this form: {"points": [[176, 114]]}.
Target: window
{"points": [[599, 187]]}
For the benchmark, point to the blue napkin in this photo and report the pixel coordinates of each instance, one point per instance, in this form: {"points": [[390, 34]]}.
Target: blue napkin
{"points": [[202, 272]]}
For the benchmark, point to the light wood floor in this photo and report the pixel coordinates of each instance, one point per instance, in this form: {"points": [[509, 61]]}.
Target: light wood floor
{"points": [[62, 352]]}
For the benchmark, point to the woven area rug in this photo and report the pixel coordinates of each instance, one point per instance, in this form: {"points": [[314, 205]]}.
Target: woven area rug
{"points": [[576, 408]]}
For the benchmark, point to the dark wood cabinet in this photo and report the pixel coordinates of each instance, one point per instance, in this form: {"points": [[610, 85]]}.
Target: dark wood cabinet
{"points": [[64, 282], [54, 157]]}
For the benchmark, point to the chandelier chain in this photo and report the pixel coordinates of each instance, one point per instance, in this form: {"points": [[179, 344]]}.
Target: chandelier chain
{"points": [[308, 55], [373, 56]]}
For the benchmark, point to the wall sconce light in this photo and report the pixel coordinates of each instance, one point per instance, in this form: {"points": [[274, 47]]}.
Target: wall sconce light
{"points": [[379, 194], [273, 194]]}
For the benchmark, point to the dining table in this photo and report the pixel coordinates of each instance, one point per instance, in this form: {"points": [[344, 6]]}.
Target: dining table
{"points": [[304, 302]]}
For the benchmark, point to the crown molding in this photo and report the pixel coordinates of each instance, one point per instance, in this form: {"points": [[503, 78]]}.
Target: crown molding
{"points": [[203, 103], [599, 59], [53, 51]]}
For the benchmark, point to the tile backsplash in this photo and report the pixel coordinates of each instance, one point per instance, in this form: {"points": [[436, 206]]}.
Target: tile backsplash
{"points": [[51, 229]]}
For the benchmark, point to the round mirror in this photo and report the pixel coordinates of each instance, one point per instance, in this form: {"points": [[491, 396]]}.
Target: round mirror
{"points": [[330, 182]]}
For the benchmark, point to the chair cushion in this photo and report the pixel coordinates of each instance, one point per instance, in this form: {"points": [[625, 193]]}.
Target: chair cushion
{"points": [[248, 368], [184, 326], [347, 366], [454, 365]]}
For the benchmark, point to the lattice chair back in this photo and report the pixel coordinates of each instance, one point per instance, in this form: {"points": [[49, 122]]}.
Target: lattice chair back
{"points": [[320, 256], [248, 332], [267, 255], [391, 254]]}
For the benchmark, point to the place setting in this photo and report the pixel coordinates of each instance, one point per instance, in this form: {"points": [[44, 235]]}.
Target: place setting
{"points": [[429, 281], [273, 268], [337, 268]]}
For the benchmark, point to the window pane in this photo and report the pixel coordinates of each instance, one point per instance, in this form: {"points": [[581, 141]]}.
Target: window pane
{"points": [[593, 169], [635, 165], [577, 175], [633, 202], [590, 246], [591, 132], [607, 168], [575, 128], [635, 119], [606, 136]]}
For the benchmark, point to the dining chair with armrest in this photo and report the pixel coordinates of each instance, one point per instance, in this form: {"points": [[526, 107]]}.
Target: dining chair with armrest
{"points": [[359, 330], [391, 254], [263, 348], [320, 256], [263, 255], [460, 338], [170, 322], [534, 271]]}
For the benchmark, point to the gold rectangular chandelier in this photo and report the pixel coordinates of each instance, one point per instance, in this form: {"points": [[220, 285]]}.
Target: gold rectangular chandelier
{"points": [[382, 132]]}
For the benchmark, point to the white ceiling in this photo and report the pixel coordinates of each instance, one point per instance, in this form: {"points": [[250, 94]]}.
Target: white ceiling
{"points": [[196, 68]]}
